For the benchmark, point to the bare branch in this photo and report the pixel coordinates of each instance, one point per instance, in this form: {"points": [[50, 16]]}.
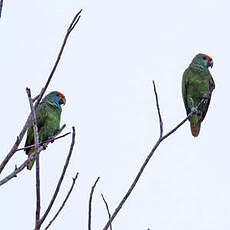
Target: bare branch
{"points": [[90, 203], [158, 110], [69, 30], [20, 168], [30, 158], [60, 180], [63, 204], [36, 141], [182, 122], [16, 144], [149, 156], [1, 5], [41, 143], [38, 195], [107, 208], [39, 97]]}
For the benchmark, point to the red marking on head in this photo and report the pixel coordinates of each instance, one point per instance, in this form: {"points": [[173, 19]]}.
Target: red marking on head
{"points": [[60, 95], [208, 58]]}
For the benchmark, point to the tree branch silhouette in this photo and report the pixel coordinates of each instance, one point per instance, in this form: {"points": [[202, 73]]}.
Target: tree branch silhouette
{"points": [[59, 182], [36, 141], [30, 158], [1, 5], [90, 203], [64, 202], [39, 97], [107, 209], [149, 156]]}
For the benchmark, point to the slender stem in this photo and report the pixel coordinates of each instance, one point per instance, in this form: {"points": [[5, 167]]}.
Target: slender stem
{"points": [[90, 203], [107, 208], [38, 195], [36, 141], [158, 110], [149, 156], [60, 179], [39, 97], [63, 204], [16, 144], [1, 5], [30, 158], [50, 140], [69, 30]]}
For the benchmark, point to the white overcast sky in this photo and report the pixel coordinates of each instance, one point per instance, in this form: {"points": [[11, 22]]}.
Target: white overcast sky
{"points": [[112, 56]]}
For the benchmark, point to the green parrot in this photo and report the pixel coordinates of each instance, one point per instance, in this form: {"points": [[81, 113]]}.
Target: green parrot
{"points": [[197, 83], [48, 114]]}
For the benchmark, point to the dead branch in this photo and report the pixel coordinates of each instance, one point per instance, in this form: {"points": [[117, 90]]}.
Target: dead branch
{"points": [[90, 203], [30, 158], [60, 180], [36, 141], [50, 140], [1, 5], [63, 204], [69, 30], [107, 208], [39, 97], [149, 156]]}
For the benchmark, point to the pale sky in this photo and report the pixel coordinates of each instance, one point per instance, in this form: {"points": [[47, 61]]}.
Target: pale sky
{"points": [[106, 74]]}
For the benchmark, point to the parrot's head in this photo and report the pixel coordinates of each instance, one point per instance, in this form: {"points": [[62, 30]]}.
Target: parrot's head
{"points": [[55, 97], [203, 60]]}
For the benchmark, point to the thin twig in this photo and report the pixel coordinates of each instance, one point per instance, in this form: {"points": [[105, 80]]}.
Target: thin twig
{"points": [[21, 167], [38, 195], [36, 141], [30, 158], [60, 180], [1, 5], [69, 30], [107, 208], [63, 204], [16, 144], [158, 109], [23, 131], [90, 203], [149, 156], [41, 143]]}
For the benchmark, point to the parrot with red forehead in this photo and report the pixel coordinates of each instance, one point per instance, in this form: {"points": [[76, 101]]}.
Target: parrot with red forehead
{"points": [[48, 114], [197, 84]]}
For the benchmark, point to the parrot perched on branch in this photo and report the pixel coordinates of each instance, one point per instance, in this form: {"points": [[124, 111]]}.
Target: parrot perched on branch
{"points": [[197, 84], [48, 114]]}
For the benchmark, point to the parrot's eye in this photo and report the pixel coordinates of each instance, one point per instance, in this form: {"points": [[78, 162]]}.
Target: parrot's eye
{"points": [[57, 94], [204, 58]]}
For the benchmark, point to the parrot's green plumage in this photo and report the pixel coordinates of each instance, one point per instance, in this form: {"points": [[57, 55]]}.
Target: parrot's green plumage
{"points": [[197, 83], [48, 114]]}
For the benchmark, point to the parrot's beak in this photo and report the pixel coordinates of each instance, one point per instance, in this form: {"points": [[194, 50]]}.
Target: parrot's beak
{"points": [[62, 100], [210, 63]]}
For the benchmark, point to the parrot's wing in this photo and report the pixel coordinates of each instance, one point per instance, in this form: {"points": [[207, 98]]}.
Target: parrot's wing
{"points": [[185, 85], [41, 115], [206, 103]]}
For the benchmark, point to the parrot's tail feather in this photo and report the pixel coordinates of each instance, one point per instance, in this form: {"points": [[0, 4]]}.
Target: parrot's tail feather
{"points": [[195, 129], [31, 163]]}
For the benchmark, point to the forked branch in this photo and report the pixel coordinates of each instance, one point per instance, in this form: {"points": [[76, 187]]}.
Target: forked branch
{"points": [[39, 97], [60, 179], [90, 203], [30, 158], [64, 202], [149, 156]]}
